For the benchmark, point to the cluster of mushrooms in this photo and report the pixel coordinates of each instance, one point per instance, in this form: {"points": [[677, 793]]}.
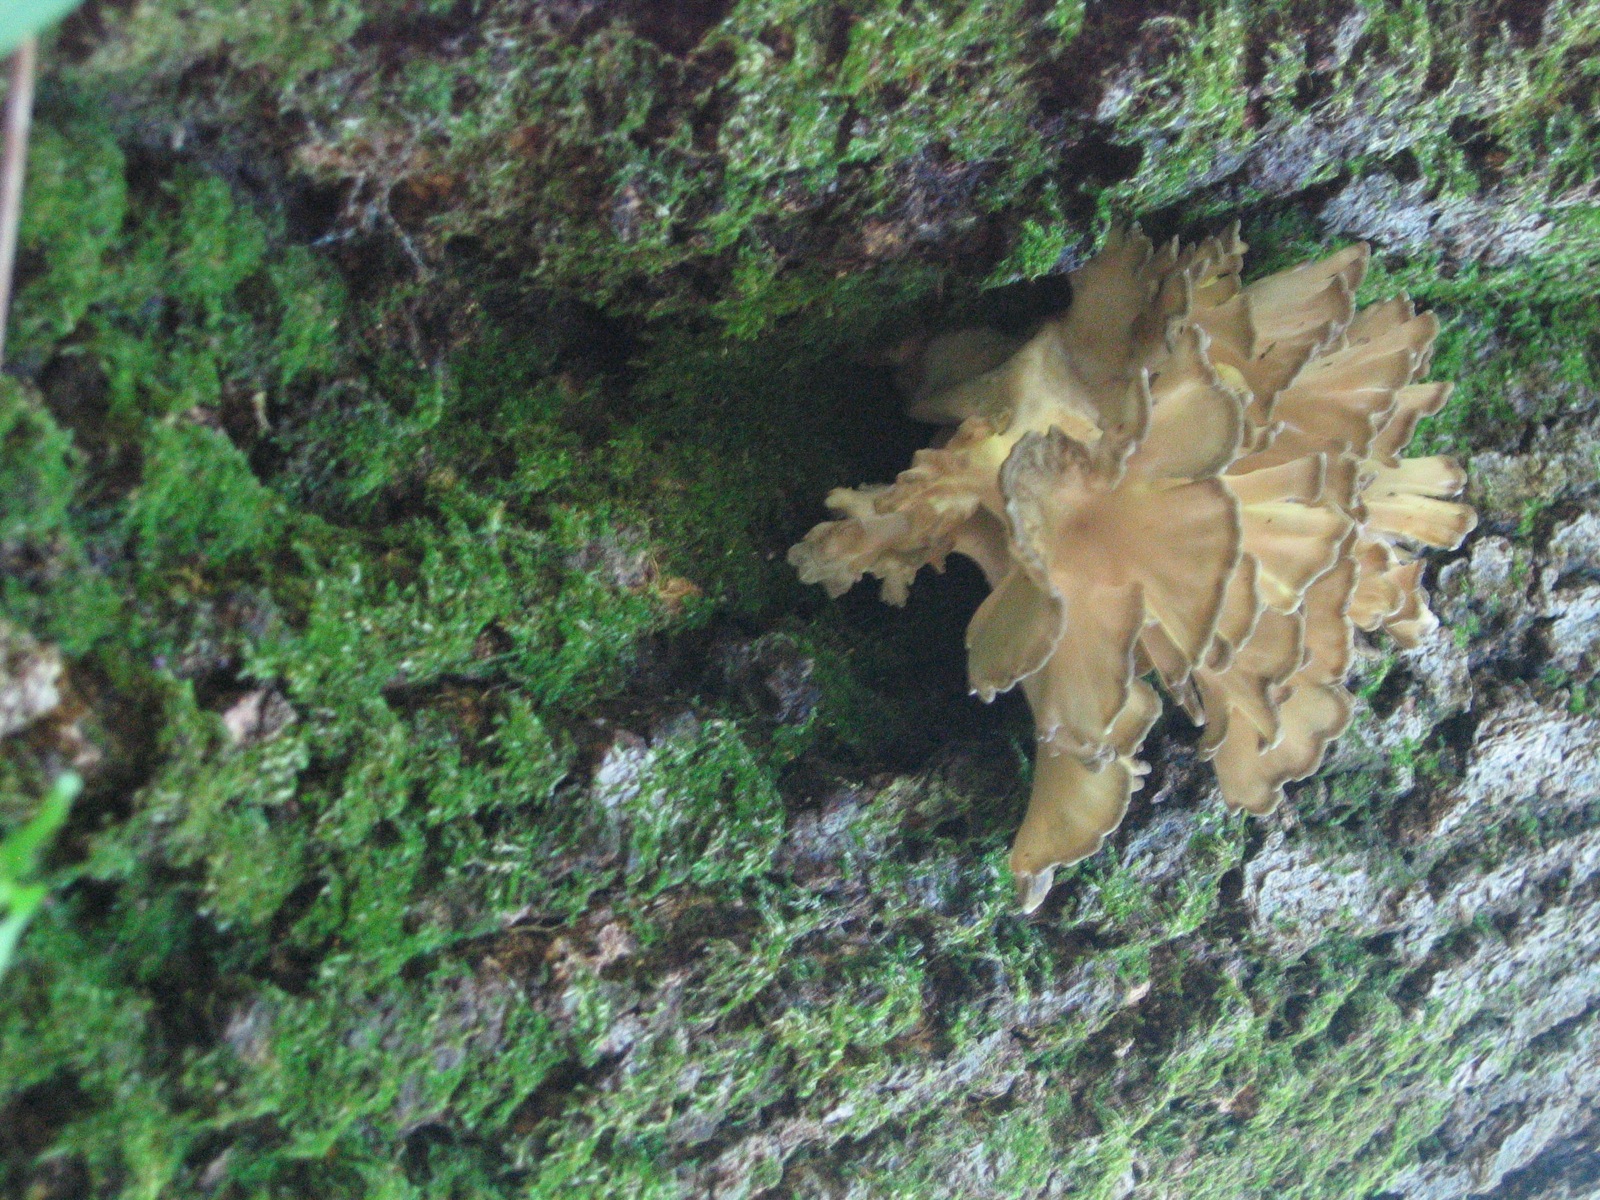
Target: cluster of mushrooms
{"points": [[1182, 477]]}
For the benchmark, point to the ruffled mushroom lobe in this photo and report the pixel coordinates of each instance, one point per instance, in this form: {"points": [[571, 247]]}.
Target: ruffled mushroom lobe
{"points": [[1184, 476], [1074, 806], [1253, 763]]}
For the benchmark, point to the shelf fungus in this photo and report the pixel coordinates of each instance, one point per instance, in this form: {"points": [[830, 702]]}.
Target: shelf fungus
{"points": [[1183, 479]]}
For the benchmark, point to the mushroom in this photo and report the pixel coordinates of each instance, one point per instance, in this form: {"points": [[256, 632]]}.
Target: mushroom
{"points": [[1181, 477]]}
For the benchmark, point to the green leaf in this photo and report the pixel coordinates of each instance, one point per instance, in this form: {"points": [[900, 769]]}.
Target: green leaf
{"points": [[19, 18], [19, 861]]}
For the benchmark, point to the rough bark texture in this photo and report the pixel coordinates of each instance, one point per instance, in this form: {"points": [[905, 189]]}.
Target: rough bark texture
{"points": [[407, 410]]}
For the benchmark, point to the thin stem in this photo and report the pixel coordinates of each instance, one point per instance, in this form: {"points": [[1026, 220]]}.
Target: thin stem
{"points": [[19, 108]]}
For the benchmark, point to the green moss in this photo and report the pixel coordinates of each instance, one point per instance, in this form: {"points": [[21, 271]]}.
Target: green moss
{"points": [[68, 601], [77, 203], [40, 471], [198, 498], [787, 114], [1191, 112], [525, 898]]}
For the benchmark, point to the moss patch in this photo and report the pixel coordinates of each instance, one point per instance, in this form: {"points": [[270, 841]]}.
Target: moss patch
{"points": [[408, 412]]}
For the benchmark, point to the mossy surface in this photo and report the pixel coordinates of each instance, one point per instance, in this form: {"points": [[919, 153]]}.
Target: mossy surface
{"points": [[407, 410]]}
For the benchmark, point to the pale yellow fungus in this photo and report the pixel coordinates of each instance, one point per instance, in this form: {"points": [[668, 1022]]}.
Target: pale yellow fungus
{"points": [[1181, 476]]}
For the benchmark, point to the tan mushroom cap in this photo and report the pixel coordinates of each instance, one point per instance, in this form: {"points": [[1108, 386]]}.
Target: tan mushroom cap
{"points": [[1411, 405], [1255, 758], [1250, 687], [1014, 632], [1309, 304], [893, 531], [1241, 610], [1195, 424], [1182, 475], [1074, 806], [1078, 695]]}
